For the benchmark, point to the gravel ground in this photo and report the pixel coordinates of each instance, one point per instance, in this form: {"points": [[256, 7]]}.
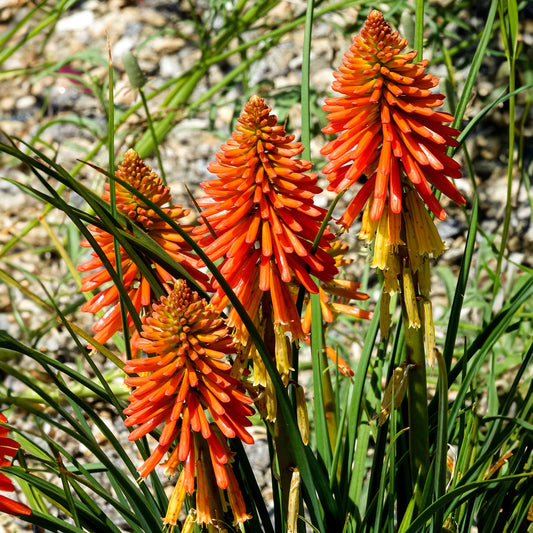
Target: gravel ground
{"points": [[30, 107]]}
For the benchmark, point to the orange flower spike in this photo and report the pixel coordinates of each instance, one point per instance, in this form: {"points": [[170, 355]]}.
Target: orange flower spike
{"points": [[8, 449], [262, 211], [183, 378], [140, 176], [387, 125], [134, 171]]}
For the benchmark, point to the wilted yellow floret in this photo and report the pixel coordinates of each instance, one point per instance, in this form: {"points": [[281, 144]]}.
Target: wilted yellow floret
{"points": [[409, 296], [302, 415]]}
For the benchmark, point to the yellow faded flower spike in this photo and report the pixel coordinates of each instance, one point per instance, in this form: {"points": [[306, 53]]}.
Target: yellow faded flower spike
{"points": [[427, 236]]}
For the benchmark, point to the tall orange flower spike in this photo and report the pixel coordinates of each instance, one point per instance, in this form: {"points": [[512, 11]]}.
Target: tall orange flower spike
{"points": [[8, 448], [388, 126], [262, 212], [134, 171], [185, 376]]}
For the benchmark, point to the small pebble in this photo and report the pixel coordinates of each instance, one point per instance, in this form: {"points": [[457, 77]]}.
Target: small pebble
{"points": [[78, 21], [26, 102]]}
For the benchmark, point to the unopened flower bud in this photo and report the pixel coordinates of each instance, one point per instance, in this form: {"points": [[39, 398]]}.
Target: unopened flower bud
{"points": [[134, 72]]}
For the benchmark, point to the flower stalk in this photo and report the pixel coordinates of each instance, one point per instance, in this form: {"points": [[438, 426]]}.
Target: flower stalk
{"points": [[388, 131], [417, 404], [186, 384]]}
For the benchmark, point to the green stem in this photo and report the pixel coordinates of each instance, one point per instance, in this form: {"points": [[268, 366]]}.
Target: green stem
{"points": [[414, 353], [112, 195], [330, 402], [319, 401], [306, 68], [152, 132], [419, 28], [279, 429], [510, 44], [417, 400]]}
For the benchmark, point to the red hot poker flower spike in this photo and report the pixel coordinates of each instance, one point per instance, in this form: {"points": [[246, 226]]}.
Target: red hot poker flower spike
{"points": [[184, 377], [8, 448], [262, 211], [388, 125], [134, 171]]}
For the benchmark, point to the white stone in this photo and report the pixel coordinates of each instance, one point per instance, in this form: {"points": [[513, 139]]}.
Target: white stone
{"points": [[26, 102], [76, 22]]}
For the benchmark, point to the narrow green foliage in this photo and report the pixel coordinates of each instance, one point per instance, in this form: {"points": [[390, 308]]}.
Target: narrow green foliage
{"points": [[319, 407], [454, 455]]}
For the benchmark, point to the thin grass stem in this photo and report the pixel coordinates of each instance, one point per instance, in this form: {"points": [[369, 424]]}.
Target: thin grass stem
{"points": [[154, 138]]}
